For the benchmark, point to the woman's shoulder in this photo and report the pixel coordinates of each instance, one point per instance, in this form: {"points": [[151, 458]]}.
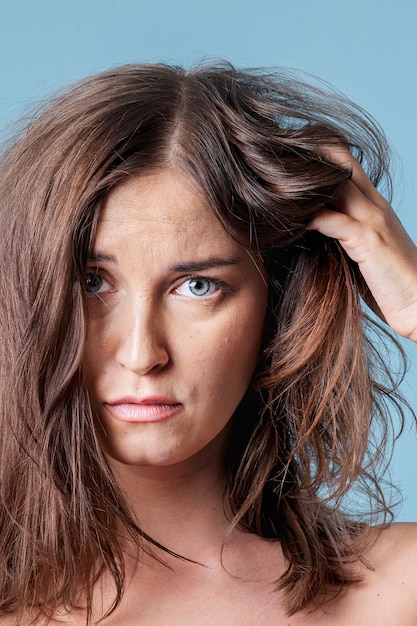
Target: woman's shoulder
{"points": [[394, 557], [387, 594], [392, 582], [396, 549]]}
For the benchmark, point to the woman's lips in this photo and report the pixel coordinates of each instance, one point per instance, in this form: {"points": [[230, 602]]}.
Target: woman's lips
{"points": [[147, 410]]}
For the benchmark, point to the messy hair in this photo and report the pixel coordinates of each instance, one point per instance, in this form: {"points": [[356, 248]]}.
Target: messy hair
{"points": [[301, 439]]}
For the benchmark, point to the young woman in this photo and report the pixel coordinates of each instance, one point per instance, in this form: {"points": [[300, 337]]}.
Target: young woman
{"points": [[189, 388]]}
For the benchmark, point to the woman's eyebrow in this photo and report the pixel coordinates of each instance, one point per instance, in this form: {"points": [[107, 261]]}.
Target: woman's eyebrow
{"points": [[198, 266], [102, 257]]}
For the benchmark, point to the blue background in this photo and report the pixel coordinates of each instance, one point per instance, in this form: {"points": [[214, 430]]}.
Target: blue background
{"points": [[368, 49]]}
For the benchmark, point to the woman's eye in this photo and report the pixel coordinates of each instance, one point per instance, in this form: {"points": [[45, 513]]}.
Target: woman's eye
{"points": [[94, 283], [198, 287]]}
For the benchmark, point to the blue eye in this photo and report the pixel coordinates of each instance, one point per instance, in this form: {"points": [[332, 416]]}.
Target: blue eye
{"points": [[199, 286], [93, 283]]}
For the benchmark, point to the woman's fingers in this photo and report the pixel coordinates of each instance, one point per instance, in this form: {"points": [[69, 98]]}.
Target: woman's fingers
{"points": [[373, 236], [342, 157], [359, 223]]}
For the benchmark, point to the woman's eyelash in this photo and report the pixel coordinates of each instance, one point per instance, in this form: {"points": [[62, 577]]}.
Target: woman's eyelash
{"points": [[95, 284], [200, 286]]}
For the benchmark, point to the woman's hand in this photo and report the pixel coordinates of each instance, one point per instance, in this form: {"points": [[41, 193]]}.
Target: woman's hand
{"points": [[373, 236]]}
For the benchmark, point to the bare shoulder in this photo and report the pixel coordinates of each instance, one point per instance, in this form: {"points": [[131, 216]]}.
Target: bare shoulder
{"points": [[391, 586], [387, 594], [396, 545], [394, 557]]}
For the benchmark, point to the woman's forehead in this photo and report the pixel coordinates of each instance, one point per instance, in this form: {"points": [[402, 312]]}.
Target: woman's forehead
{"points": [[160, 220], [160, 204]]}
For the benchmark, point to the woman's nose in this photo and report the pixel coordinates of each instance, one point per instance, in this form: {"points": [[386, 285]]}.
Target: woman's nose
{"points": [[142, 346]]}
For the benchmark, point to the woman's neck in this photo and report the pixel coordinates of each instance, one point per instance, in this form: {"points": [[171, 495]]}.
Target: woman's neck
{"points": [[180, 506]]}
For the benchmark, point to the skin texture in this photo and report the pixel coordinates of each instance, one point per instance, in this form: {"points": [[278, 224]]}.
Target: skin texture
{"points": [[162, 330]]}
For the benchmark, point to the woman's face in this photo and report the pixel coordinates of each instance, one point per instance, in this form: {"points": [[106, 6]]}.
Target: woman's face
{"points": [[176, 314]]}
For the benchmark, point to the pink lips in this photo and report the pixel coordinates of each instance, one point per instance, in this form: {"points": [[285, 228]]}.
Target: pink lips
{"points": [[130, 409]]}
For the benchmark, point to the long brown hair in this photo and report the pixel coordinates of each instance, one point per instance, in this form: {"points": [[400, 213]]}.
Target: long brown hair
{"points": [[251, 141]]}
